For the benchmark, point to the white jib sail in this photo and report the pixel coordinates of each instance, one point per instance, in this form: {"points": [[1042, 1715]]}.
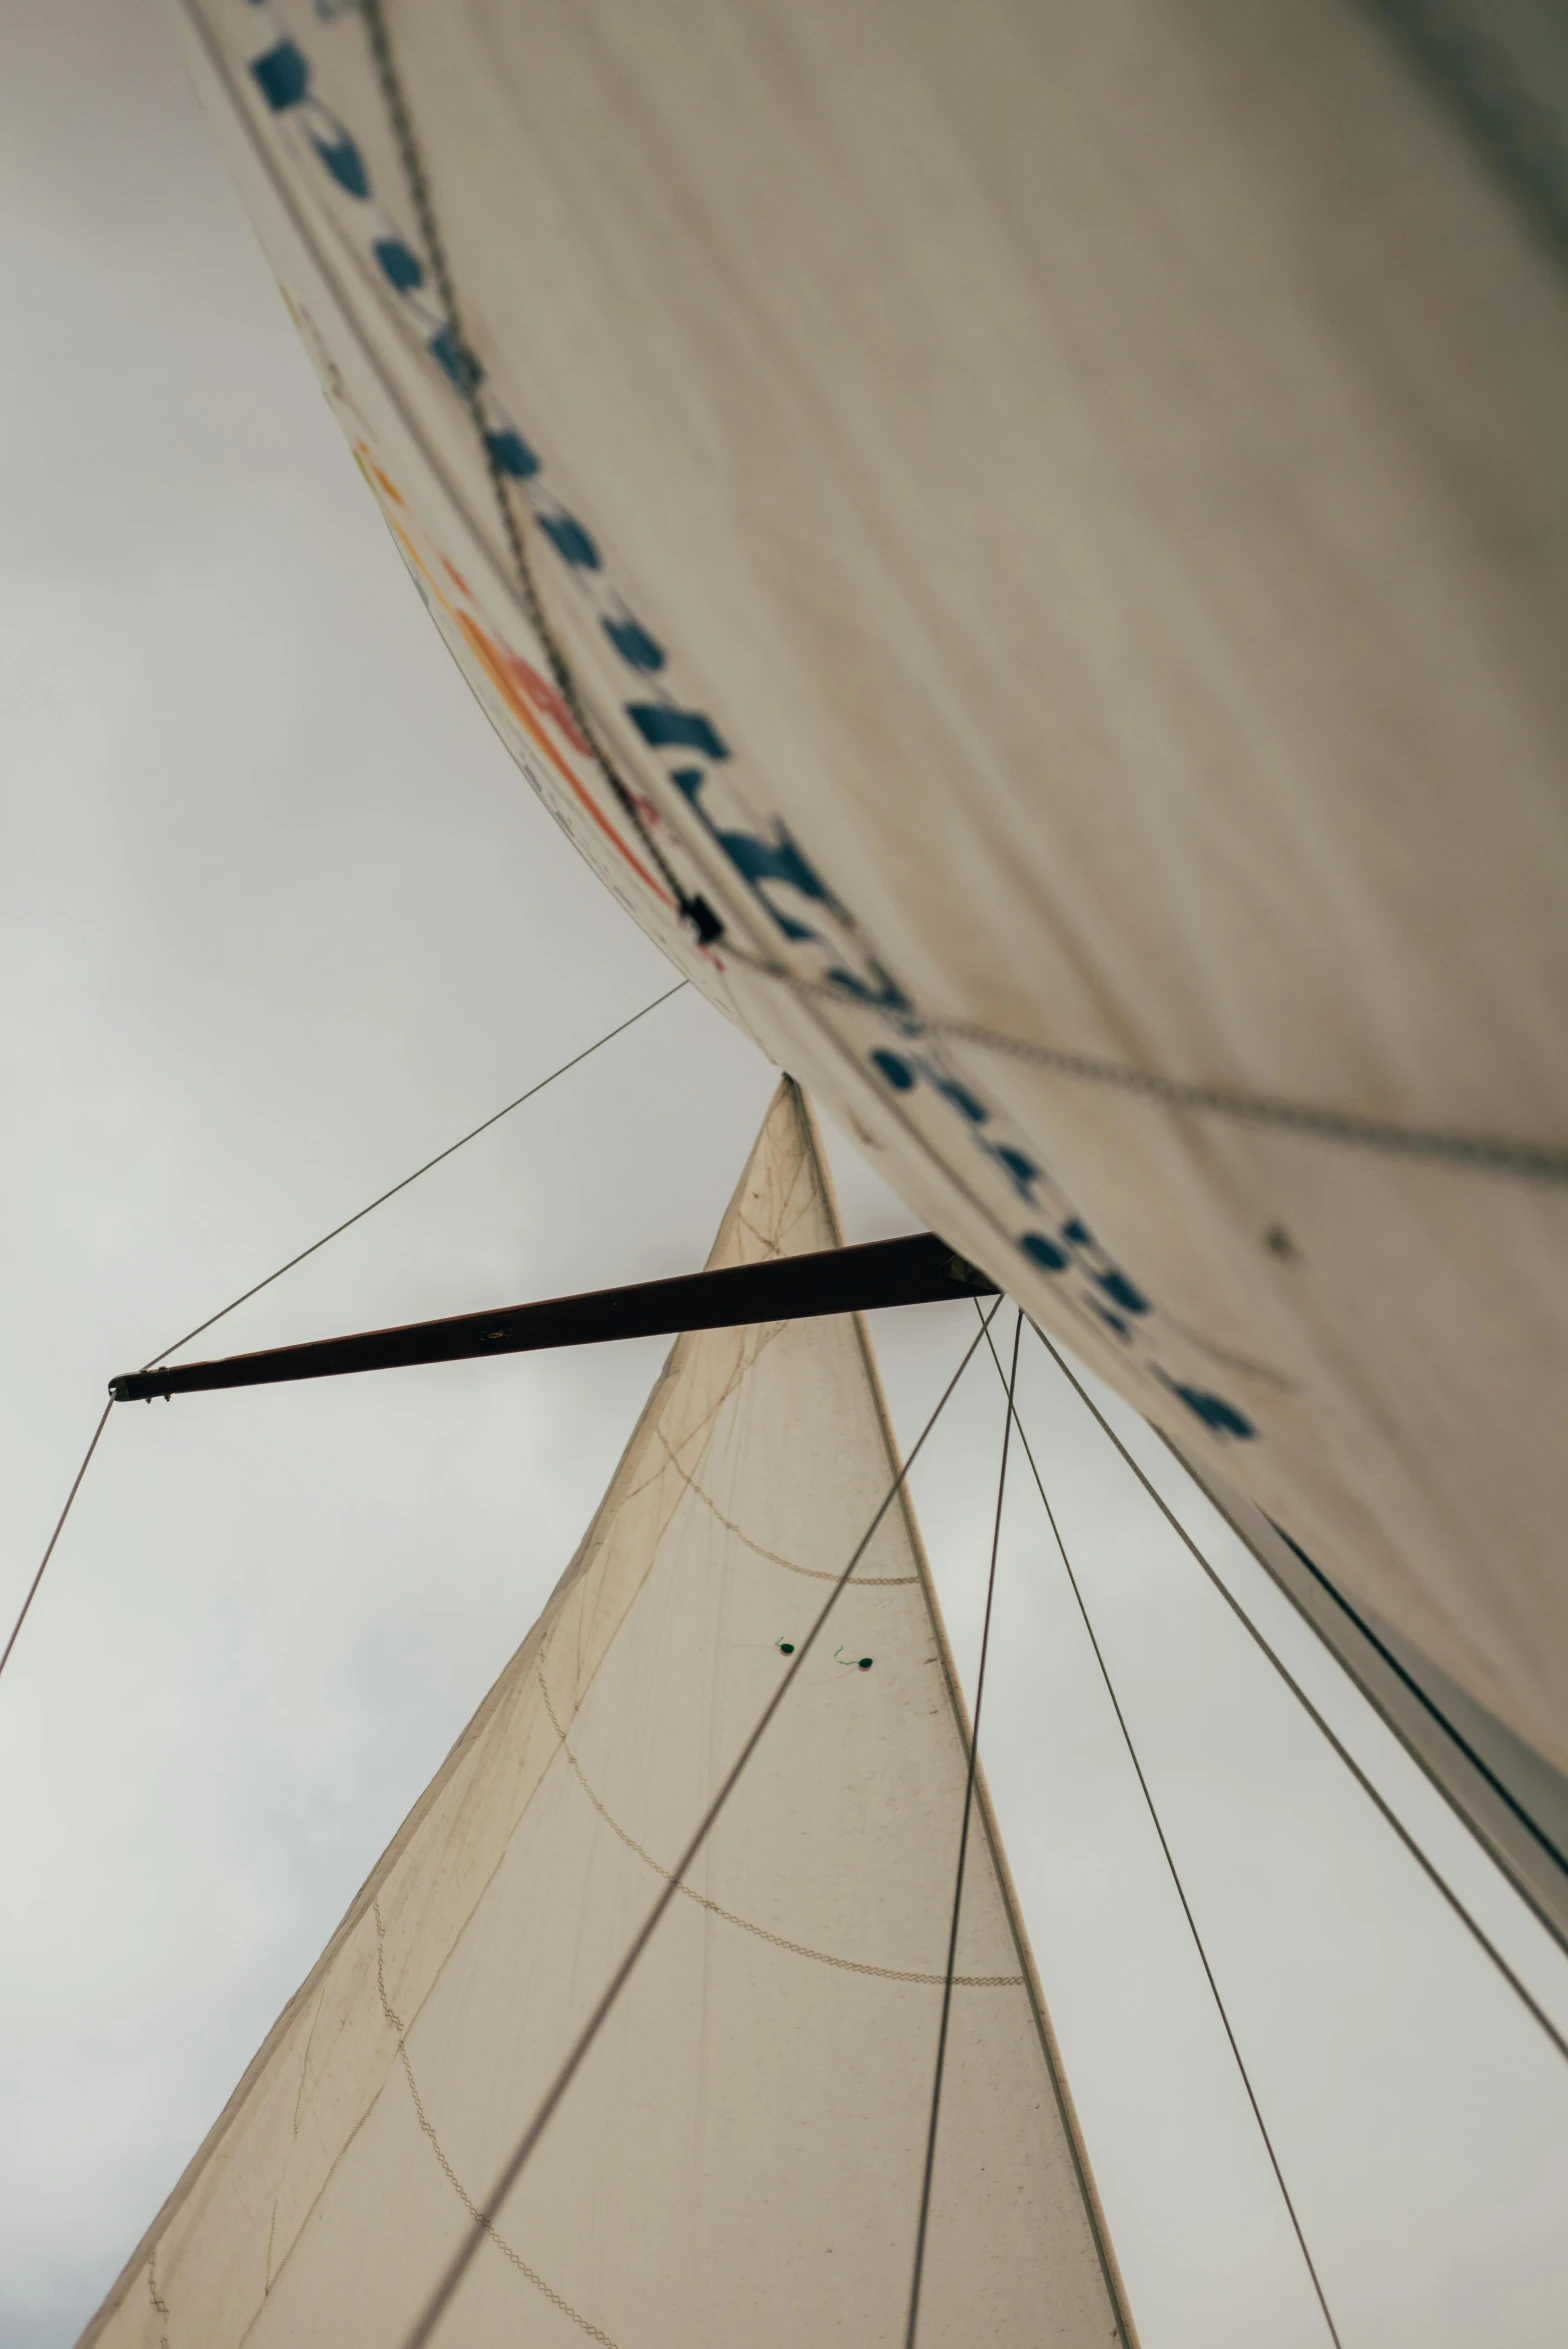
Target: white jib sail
{"points": [[739, 2160]]}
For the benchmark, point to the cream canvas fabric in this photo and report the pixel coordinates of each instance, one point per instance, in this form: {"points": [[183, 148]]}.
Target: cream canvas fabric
{"points": [[740, 2159], [1062, 514]]}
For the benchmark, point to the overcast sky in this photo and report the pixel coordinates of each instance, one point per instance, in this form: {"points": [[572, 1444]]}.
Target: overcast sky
{"points": [[279, 920]]}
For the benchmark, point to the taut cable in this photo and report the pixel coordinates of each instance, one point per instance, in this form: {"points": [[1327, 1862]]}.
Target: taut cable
{"points": [[923, 2227]]}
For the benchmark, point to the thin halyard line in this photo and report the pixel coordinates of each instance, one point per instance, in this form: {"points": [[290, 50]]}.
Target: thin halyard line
{"points": [[1170, 1860], [1427, 1866], [918, 2274], [458, 2266], [472, 1135]]}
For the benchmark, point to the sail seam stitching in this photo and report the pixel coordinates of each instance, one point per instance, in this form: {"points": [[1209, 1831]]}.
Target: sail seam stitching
{"points": [[160, 2305], [813, 1573], [796, 1948], [764, 1333], [507, 2250]]}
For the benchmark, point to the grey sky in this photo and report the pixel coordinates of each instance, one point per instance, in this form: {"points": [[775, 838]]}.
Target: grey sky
{"points": [[280, 919]]}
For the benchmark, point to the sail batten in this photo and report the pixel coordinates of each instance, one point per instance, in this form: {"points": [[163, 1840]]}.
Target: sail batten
{"points": [[739, 2155]]}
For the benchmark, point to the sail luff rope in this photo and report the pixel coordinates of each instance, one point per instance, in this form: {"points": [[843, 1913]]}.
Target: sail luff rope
{"points": [[1496, 1154], [32, 1588], [468, 376], [1428, 1867], [1170, 1858], [917, 2275], [458, 2266], [472, 1135]]}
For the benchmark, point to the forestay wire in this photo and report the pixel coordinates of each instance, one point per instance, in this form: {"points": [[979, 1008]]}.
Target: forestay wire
{"points": [[256, 1288], [1010, 1381], [485, 2218]]}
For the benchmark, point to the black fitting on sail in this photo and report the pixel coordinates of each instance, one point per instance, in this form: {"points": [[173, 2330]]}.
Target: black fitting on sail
{"points": [[917, 1270], [701, 919]]}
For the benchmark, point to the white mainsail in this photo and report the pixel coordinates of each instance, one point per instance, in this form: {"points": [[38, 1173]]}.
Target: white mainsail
{"points": [[1059, 516], [740, 2158]]}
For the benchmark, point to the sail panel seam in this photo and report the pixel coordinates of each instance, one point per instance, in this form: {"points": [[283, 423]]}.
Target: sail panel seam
{"points": [[507, 2250], [822, 1957], [160, 2305], [813, 1573]]}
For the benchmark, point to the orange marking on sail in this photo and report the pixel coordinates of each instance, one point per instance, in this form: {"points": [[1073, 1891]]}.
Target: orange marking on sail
{"points": [[520, 687], [419, 563], [391, 488], [374, 475], [548, 702], [456, 576]]}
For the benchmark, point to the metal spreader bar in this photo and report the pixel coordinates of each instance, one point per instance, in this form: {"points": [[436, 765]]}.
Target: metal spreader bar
{"points": [[918, 1270]]}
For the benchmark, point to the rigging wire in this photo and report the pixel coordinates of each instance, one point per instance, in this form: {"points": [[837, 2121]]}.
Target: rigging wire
{"points": [[1427, 1866], [1557, 1853], [32, 1588], [922, 2227], [472, 1135], [1497, 1154], [1170, 1860], [484, 2219], [213, 1318]]}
